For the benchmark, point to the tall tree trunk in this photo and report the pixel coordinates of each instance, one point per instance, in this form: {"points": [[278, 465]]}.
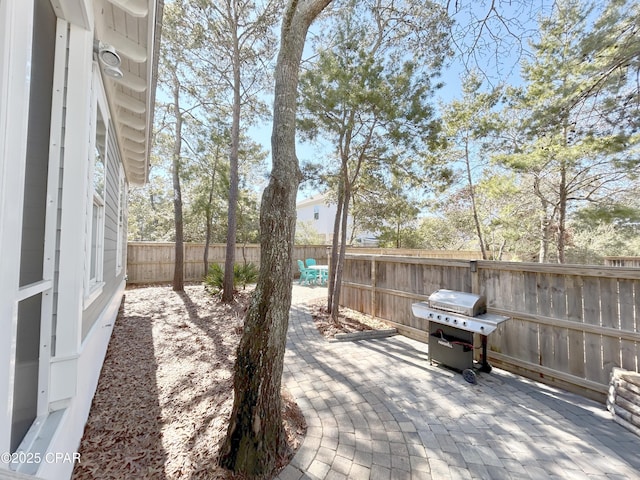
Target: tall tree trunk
{"points": [[562, 216], [335, 304], [209, 213], [545, 224], [232, 216], [255, 438], [562, 204], [472, 195], [335, 243], [178, 272]]}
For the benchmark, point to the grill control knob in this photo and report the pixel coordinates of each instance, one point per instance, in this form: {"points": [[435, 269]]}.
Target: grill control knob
{"points": [[464, 324], [481, 328], [438, 317], [455, 320]]}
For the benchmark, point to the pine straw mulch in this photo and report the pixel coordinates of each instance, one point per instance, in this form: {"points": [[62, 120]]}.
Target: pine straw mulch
{"points": [[165, 392], [348, 320]]}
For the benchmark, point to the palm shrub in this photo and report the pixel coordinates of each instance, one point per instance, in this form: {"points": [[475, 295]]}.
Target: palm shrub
{"points": [[244, 275]]}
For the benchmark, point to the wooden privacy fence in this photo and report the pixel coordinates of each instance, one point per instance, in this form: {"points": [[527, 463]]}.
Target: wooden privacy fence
{"points": [[415, 252], [153, 262], [570, 324]]}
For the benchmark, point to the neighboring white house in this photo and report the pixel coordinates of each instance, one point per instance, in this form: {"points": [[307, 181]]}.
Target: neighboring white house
{"points": [[77, 89], [318, 214]]}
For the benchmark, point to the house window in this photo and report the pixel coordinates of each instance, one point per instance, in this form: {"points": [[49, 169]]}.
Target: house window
{"points": [[316, 212], [97, 184]]}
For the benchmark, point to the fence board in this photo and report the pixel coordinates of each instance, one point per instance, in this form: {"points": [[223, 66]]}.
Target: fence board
{"points": [[560, 335], [609, 318], [573, 290], [531, 339], [592, 342], [628, 321], [547, 334]]}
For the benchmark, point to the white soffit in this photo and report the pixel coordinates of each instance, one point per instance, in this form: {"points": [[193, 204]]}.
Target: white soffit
{"points": [[131, 27], [135, 8]]}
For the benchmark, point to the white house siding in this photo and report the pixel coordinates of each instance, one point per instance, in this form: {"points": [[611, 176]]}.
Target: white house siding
{"points": [[320, 214], [55, 330], [308, 209]]}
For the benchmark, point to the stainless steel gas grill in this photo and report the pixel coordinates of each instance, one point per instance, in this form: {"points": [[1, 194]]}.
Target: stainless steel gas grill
{"points": [[453, 319]]}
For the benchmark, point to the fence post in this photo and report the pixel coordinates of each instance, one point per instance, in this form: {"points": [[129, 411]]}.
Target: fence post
{"points": [[184, 261], [475, 277], [373, 286]]}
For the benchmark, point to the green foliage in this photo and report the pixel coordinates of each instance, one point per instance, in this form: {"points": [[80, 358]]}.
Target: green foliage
{"points": [[306, 234], [150, 216], [243, 275], [561, 137], [214, 280]]}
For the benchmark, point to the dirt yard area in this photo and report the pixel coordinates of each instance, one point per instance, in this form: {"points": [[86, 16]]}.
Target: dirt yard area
{"points": [[348, 321], [165, 392]]}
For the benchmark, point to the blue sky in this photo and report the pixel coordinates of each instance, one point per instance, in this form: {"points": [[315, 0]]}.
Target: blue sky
{"points": [[500, 62]]}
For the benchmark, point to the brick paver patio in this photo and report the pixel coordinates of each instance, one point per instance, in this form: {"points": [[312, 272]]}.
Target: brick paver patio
{"points": [[376, 409]]}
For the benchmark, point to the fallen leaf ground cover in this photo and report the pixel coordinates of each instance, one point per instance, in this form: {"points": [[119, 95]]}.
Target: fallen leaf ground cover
{"points": [[348, 320], [165, 392]]}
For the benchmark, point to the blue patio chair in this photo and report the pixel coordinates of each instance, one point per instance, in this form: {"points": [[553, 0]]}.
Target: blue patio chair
{"points": [[310, 261], [306, 276]]}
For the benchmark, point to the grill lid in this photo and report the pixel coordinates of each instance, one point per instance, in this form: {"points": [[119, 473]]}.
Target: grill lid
{"points": [[469, 304]]}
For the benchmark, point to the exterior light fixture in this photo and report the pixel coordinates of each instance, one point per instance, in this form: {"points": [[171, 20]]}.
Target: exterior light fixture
{"points": [[113, 72], [109, 59]]}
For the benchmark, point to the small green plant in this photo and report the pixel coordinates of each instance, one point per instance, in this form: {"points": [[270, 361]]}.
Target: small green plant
{"points": [[245, 274], [242, 275], [214, 280]]}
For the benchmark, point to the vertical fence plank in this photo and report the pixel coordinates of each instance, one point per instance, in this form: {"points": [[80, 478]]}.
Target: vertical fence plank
{"points": [[628, 319], [609, 316], [547, 338], [531, 347], [560, 335], [573, 290], [512, 336], [592, 342]]}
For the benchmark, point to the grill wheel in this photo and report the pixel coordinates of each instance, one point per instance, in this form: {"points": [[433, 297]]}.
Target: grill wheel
{"points": [[470, 376]]}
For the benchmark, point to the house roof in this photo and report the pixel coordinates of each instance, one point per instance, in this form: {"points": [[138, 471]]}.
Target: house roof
{"points": [[319, 199], [133, 29]]}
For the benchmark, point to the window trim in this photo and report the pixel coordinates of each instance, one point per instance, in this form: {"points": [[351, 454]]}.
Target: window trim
{"points": [[94, 281], [122, 192]]}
